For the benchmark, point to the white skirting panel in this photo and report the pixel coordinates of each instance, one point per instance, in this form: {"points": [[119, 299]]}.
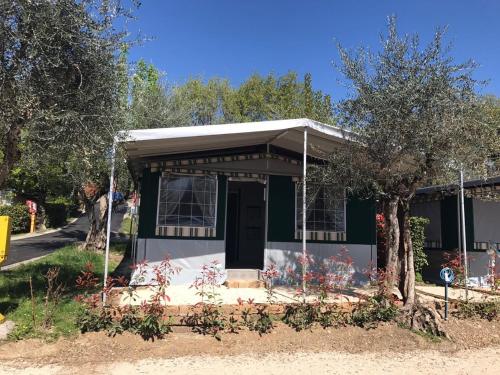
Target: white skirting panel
{"points": [[189, 255], [285, 255]]}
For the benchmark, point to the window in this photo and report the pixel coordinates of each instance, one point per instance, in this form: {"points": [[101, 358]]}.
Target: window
{"points": [[187, 201], [325, 208]]}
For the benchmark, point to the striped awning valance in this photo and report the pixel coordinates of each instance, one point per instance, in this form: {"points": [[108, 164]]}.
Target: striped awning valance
{"points": [[189, 163]]}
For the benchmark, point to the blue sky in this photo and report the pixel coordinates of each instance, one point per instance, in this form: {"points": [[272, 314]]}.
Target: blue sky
{"points": [[233, 39]]}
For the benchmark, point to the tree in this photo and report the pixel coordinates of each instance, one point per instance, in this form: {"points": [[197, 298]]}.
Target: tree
{"points": [[275, 98], [151, 101], [259, 98], [198, 102], [414, 119], [59, 86], [57, 69]]}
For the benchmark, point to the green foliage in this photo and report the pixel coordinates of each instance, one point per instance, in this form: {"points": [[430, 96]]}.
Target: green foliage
{"points": [[304, 315], [20, 217], [369, 313], [415, 118], [271, 98], [56, 214], [489, 310], [40, 178], [333, 316], [417, 229], [209, 321], [152, 326], [301, 316], [58, 210], [94, 320], [149, 326], [67, 103], [16, 304], [261, 322], [418, 277], [259, 98]]}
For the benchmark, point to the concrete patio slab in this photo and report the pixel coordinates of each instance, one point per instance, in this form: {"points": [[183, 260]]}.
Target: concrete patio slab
{"points": [[184, 295], [431, 291]]}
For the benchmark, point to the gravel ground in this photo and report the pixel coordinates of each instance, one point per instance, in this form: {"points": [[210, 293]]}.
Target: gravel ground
{"points": [[474, 348], [482, 361]]}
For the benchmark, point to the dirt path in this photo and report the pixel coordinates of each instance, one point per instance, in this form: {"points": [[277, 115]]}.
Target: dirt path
{"points": [[388, 349], [482, 361]]}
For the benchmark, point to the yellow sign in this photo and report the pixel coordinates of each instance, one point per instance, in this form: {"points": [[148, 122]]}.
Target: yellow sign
{"points": [[4, 237]]}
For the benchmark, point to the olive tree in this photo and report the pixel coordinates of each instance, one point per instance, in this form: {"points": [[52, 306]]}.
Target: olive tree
{"points": [[60, 84], [413, 118]]}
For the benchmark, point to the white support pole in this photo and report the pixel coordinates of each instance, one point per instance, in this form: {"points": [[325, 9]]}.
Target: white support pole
{"points": [[304, 214], [464, 242], [110, 210], [459, 224]]}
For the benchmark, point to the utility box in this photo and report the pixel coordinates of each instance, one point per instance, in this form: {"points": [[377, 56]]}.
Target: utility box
{"points": [[4, 237]]}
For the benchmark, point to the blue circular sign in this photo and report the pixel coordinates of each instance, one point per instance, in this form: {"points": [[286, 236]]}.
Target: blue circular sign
{"points": [[447, 275]]}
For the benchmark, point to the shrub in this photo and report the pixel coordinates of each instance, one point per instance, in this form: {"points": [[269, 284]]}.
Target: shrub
{"points": [[376, 309], [301, 316], [151, 325], [56, 214], [455, 261], [333, 316], [488, 310], [417, 227], [261, 322], [147, 320], [19, 215], [418, 277], [94, 320], [211, 319]]}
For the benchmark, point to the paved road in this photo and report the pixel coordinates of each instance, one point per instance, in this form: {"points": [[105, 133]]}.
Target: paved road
{"points": [[34, 247]]}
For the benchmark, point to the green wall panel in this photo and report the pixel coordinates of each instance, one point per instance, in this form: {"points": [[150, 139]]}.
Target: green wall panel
{"points": [[149, 202], [360, 215], [360, 221], [281, 209], [449, 223]]}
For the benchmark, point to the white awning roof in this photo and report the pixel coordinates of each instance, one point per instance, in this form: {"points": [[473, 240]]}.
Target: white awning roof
{"points": [[287, 134]]}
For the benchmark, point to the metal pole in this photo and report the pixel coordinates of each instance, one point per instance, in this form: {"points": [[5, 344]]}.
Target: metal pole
{"points": [[464, 242], [446, 301], [108, 229], [459, 219], [304, 215]]}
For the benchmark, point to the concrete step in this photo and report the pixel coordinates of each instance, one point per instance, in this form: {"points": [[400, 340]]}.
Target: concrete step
{"points": [[242, 274], [243, 278], [244, 283]]}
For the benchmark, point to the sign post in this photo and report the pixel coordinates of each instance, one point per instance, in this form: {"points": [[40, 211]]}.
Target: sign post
{"points": [[32, 210], [447, 276]]}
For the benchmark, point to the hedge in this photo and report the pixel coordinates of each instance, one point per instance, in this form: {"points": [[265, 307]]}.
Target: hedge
{"points": [[55, 214], [58, 211], [417, 227], [19, 215]]}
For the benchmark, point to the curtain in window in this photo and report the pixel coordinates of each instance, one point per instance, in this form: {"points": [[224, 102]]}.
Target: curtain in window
{"points": [[187, 201], [325, 208]]}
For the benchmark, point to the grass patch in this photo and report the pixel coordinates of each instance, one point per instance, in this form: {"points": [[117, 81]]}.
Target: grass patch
{"points": [[125, 226], [17, 305]]}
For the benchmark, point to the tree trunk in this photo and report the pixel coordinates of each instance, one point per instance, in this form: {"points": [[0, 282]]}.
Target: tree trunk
{"points": [[11, 153], [392, 245], [97, 212], [407, 269]]}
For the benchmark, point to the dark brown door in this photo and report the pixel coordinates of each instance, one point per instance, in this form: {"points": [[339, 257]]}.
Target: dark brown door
{"points": [[245, 227]]}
